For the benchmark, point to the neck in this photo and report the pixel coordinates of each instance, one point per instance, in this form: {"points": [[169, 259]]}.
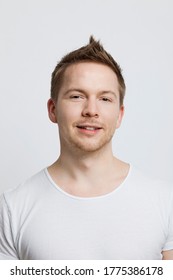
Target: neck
{"points": [[88, 174], [86, 162]]}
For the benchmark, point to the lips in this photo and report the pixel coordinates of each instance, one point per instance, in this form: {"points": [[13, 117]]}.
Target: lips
{"points": [[89, 128]]}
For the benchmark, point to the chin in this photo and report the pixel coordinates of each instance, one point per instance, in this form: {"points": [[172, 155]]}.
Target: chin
{"points": [[91, 147]]}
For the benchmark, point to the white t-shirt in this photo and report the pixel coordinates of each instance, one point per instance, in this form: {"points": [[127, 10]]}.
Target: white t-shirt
{"points": [[38, 220]]}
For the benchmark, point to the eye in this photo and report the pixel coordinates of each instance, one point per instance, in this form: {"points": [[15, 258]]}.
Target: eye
{"points": [[76, 96], [106, 99]]}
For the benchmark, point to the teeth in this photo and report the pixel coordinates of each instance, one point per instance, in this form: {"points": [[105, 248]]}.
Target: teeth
{"points": [[90, 128]]}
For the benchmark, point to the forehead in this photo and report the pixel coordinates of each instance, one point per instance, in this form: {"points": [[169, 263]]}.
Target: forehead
{"points": [[90, 73]]}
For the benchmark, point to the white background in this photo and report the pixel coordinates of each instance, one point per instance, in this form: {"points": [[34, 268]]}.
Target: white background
{"points": [[35, 34]]}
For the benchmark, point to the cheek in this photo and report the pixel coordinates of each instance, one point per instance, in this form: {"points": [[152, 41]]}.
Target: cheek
{"points": [[112, 119], [110, 115], [67, 115]]}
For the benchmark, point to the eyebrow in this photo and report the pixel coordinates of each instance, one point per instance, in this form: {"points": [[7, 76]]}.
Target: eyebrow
{"points": [[84, 92], [74, 89]]}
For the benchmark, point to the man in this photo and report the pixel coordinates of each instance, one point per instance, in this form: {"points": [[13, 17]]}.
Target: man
{"points": [[88, 204]]}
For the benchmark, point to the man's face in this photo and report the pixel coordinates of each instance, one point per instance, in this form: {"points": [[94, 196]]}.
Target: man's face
{"points": [[88, 109]]}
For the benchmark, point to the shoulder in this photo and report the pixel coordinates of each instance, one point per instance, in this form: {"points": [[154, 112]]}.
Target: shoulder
{"points": [[141, 178], [156, 190], [28, 190]]}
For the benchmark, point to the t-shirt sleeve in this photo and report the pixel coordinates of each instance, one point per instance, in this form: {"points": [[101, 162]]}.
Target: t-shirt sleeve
{"points": [[169, 241], [7, 248]]}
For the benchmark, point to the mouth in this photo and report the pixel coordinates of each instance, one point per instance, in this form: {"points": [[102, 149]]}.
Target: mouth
{"points": [[89, 129]]}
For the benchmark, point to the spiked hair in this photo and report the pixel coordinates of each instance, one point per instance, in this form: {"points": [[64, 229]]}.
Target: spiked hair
{"points": [[93, 52]]}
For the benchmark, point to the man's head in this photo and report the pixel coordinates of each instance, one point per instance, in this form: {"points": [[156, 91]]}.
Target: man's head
{"points": [[86, 101], [92, 52]]}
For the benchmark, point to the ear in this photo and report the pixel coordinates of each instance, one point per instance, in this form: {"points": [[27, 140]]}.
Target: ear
{"points": [[51, 110], [120, 116]]}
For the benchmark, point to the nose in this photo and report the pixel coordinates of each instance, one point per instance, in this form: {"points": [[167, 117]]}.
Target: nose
{"points": [[90, 109]]}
